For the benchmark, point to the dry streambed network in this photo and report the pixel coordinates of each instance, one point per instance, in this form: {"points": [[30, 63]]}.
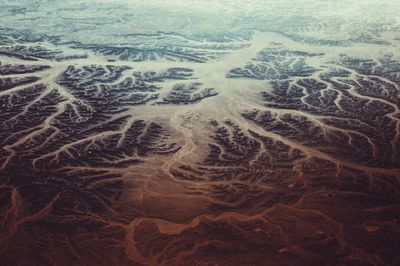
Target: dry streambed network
{"points": [[262, 141]]}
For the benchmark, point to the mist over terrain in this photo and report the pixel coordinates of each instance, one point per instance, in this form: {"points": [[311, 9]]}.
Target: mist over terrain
{"points": [[199, 132]]}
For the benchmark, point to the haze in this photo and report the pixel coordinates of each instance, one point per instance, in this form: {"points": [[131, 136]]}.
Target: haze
{"points": [[199, 133]]}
